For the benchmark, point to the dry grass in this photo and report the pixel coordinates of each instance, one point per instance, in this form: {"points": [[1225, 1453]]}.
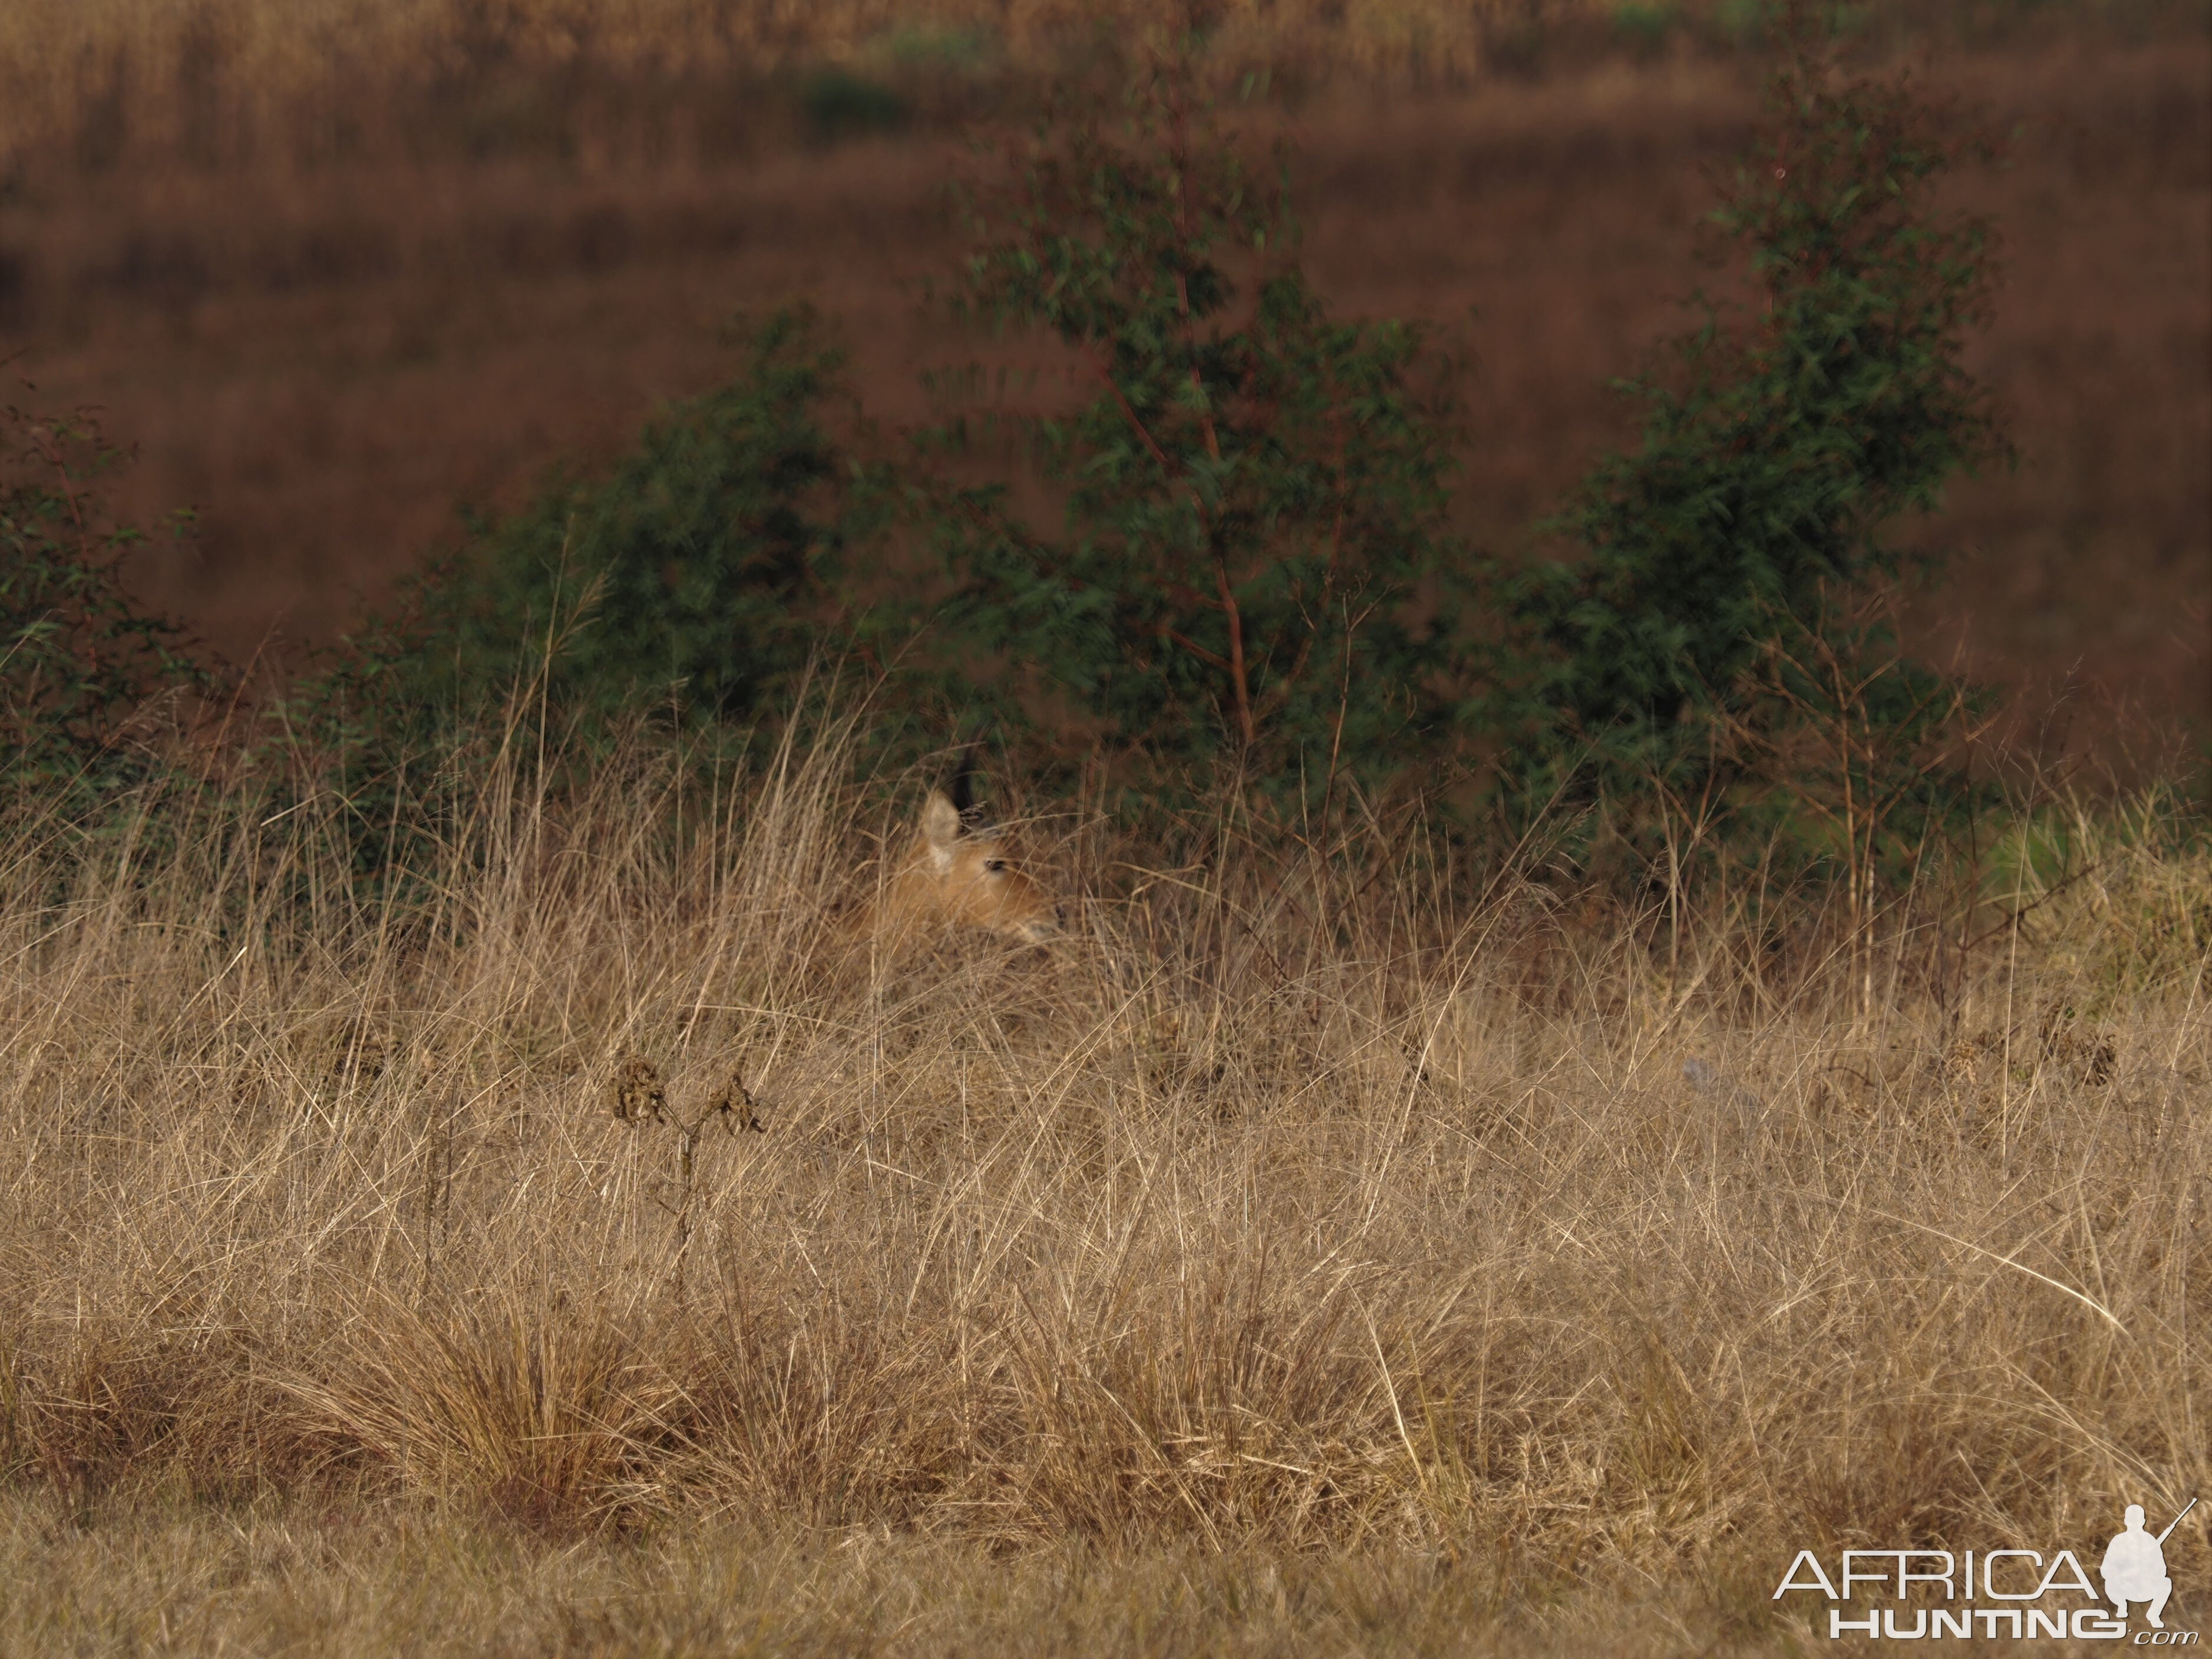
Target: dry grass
{"points": [[277, 1583], [1307, 1251], [215, 79]]}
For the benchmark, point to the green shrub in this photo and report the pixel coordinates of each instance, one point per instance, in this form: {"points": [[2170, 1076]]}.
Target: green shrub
{"points": [[838, 104], [80, 663], [688, 587], [1720, 593], [1251, 572], [1644, 29], [692, 578]]}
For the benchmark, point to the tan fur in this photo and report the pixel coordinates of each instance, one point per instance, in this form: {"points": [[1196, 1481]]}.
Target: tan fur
{"points": [[955, 877]]}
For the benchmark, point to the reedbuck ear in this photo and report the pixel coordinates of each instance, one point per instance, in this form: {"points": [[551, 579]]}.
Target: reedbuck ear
{"points": [[940, 826]]}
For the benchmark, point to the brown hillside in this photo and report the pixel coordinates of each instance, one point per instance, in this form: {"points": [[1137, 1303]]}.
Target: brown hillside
{"points": [[326, 360]]}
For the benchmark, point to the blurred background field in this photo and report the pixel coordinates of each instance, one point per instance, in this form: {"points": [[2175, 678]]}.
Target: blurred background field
{"points": [[335, 269]]}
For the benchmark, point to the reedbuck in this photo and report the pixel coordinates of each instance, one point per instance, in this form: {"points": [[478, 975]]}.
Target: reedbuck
{"points": [[958, 872]]}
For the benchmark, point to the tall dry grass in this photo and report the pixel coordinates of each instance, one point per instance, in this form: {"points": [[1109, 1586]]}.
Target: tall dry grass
{"points": [[1296, 1213], [212, 82]]}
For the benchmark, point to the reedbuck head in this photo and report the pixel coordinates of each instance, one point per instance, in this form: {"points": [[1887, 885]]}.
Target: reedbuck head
{"points": [[959, 871]]}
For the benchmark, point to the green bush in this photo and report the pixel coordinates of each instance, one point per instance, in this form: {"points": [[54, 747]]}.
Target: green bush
{"points": [[80, 663], [1251, 574], [693, 578], [1720, 593], [688, 587], [838, 104], [1644, 29]]}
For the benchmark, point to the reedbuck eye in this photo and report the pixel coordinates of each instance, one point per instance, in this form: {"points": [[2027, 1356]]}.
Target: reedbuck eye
{"points": [[994, 865]]}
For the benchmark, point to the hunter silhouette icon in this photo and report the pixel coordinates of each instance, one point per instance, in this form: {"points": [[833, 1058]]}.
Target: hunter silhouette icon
{"points": [[2135, 1566]]}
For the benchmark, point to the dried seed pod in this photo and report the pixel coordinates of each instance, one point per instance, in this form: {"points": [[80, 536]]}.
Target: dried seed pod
{"points": [[1961, 1061], [736, 1104], [638, 1092]]}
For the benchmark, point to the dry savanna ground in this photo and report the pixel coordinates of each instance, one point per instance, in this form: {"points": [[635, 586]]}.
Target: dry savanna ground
{"points": [[1359, 1253]]}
